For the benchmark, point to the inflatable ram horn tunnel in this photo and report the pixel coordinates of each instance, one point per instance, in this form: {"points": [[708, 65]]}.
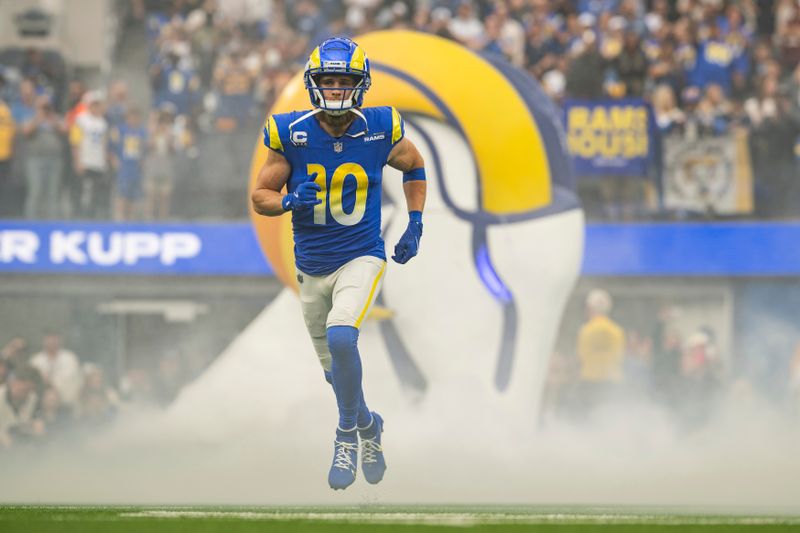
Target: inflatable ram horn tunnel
{"points": [[471, 319]]}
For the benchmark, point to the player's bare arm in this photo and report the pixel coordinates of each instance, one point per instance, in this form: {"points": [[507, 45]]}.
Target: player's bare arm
{"points": [[406, 158], [267, 196]]}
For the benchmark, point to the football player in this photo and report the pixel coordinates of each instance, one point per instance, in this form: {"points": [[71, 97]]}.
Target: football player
{"points": [[331, 159]]}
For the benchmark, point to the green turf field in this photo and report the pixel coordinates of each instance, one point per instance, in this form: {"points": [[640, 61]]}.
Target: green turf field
{"points": [[89, 519]]}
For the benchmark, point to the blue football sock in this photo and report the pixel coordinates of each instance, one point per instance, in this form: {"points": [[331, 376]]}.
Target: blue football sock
{"points": [[364, 416], [346, 376]]}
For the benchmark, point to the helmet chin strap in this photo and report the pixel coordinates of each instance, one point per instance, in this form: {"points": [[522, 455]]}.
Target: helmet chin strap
{"points": [[313, 112], [360, 115], [357, 113], [302, 118]]}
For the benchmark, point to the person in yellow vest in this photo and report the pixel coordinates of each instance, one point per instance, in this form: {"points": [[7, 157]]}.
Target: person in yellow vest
{"points": [[7, 131], [601, 351]]}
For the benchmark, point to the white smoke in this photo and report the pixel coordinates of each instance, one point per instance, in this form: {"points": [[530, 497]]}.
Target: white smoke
{"points": [[257, 429]]}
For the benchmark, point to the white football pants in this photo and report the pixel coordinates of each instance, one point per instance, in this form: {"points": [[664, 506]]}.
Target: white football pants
{"points": [[341, 298]]}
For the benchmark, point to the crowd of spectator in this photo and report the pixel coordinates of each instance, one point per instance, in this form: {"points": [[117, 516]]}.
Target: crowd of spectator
{"points": [[85, 158], [659, 363], [708, 67], [52, 394]]}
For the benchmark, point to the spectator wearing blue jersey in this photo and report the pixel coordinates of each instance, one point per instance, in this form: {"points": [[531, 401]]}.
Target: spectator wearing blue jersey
{"points": [[174, 80], [128, 147], [718, 62], [492, 44], [23, 108], [738, 31], [597, 7], [683, 32], [307, 18], [117, 108], [234, 86], [541, 49], [234, 82]]}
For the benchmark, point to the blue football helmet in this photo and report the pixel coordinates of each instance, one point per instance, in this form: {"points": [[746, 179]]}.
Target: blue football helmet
{"points": [[337, 55]]}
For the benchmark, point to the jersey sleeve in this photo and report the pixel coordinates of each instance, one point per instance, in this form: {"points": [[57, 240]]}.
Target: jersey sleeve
{"points": [[398, 127], [272, 137]]}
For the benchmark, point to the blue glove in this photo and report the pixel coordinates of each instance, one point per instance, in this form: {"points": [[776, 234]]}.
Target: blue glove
{"points": [[303, 197], [408, 245]]}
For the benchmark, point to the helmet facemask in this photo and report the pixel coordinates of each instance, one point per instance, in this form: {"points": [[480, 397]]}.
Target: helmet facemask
{"points": [[336, 107]]}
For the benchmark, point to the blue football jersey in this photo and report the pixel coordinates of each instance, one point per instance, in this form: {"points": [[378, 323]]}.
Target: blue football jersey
{"points": [[129, 144], [349, 170]]}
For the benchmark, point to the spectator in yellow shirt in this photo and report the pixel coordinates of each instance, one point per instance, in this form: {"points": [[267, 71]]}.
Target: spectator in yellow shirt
{"points": [[601, 350]]}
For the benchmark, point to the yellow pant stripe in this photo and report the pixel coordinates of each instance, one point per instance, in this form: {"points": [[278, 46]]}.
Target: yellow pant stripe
{"points": [[371, 295]]}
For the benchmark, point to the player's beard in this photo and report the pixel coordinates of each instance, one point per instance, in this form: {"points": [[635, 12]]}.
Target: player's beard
{"points": [[339, 119]]}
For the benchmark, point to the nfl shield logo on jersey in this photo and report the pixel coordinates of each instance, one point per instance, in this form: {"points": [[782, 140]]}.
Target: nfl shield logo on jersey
{"points": [[338, 147]]}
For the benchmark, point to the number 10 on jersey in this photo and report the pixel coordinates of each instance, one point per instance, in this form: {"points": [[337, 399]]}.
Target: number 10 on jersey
{"points": [[334, 195]]}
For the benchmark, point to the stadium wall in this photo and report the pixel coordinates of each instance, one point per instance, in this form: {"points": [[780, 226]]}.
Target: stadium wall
{"points": [[709, 250], [739, 279]]}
